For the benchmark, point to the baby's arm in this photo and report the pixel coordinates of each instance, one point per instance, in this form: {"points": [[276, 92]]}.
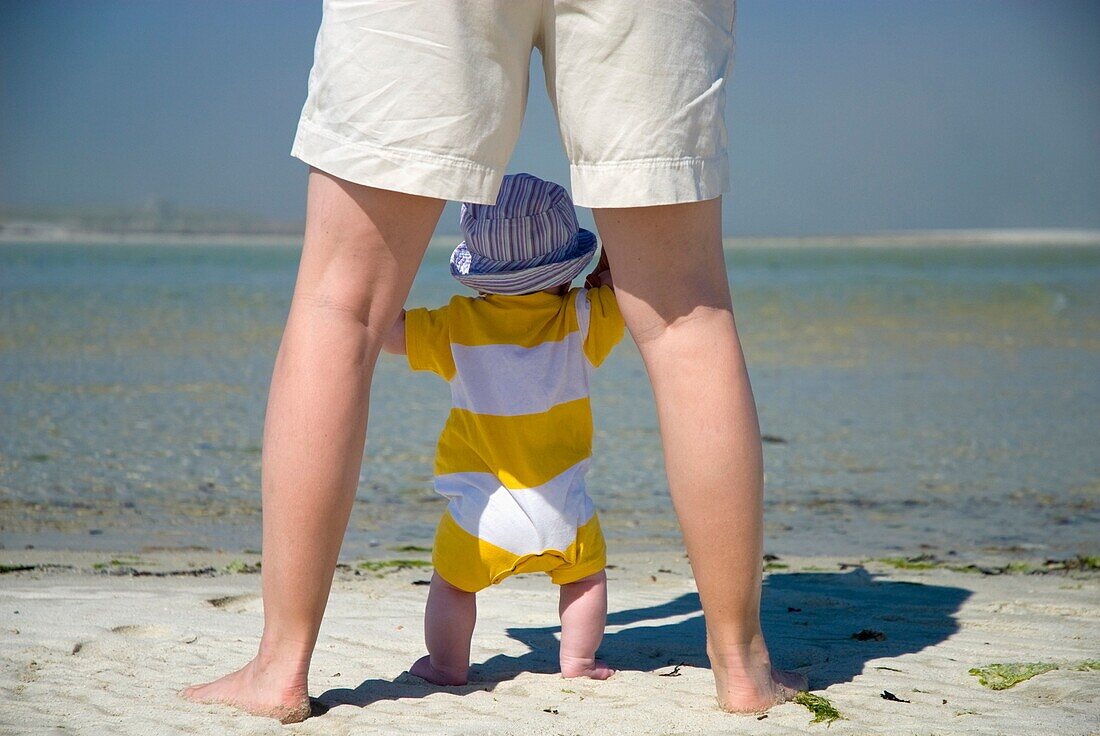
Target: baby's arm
{"points": [[395, 339]]}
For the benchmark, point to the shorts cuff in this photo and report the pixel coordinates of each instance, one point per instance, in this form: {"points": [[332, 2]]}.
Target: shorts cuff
{"points": [[399, 170], [565, 576], [649, 182]]}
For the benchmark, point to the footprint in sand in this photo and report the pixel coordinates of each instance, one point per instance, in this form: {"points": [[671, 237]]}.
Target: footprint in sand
{"points": [[99, 645], [235, 603], [140, 631]]}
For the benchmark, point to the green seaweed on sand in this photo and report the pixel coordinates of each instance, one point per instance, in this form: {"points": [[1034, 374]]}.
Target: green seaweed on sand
{"points": [[1003, 676], [769, 566], [121, 561], [930, 562], [5, 569], [922, 562], [1081, 562], [823, 710], [240, 566], [410, 548], [392, 565]]}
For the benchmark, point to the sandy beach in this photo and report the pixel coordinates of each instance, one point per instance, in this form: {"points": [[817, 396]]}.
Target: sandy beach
{"points": [[94, 644]]}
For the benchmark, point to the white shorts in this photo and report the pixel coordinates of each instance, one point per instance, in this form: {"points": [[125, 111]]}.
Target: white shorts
{"points": [[427, 96]]}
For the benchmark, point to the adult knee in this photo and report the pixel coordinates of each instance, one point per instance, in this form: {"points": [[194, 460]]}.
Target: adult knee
{"points": [[346, 290], [685, 321]]}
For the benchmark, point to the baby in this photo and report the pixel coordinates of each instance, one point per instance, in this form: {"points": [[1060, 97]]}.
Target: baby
{"points": [[513, 454]]}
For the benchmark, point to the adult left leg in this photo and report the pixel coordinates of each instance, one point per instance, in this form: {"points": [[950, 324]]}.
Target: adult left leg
{"points": [[361, 251]]}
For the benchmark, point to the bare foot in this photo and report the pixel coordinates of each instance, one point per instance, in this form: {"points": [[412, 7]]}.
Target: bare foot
{"points": [[748, 692], [783, 687], [591, 668], [257, 691], [424, 669]]}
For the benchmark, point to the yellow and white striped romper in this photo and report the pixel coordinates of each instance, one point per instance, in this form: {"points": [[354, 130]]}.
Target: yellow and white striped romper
{"points": [[512, 456]]}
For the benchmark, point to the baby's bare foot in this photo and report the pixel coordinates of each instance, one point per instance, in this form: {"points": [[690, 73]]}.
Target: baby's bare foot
{"points": [[424, 669], [591, 668], [257, 692]]}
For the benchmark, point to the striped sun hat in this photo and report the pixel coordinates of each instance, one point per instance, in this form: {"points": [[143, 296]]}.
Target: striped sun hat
{"points": [[529, 240]]}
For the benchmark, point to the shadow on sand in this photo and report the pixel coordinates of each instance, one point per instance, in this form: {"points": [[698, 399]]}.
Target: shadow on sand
{"points": [[809, 620]]}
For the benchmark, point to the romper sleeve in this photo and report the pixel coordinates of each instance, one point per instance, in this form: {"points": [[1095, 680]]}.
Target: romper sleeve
{"points": [[428, 341], [605, 323]]}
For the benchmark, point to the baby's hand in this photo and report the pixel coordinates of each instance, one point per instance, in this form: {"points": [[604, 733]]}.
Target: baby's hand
{"points": [[601, 274], [394, 342]]}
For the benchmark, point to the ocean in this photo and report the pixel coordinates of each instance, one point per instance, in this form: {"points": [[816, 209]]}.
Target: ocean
{"points": [[941, 400]]}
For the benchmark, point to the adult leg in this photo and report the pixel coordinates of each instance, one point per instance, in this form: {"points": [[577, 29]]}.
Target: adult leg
{"points": [[670, 279], [449, 619], [362, 249], [583, 609]]}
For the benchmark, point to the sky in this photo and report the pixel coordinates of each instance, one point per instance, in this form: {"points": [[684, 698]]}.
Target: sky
{"points": [[844, 116]]}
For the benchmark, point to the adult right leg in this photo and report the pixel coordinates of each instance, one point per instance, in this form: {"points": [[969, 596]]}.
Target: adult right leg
{"points": [[670, 280], [362, 249]]}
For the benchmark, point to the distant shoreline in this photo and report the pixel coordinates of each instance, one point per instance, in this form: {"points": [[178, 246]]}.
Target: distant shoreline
{"points": [[898, 239], [78, 237], [925, 238]]}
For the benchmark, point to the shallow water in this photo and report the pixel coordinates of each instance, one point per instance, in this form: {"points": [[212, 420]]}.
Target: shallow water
{"points": [[933, 399]]}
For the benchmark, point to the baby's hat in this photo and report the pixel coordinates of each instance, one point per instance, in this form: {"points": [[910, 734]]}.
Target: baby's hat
{"points": [[529, 240]]}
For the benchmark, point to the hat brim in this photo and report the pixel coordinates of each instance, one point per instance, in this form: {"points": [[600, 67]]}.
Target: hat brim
{"points": [[533, 278]]}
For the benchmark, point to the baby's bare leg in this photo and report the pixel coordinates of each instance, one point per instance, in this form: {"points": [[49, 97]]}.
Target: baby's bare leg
{"points": [[449, 620], [583, 611]]}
